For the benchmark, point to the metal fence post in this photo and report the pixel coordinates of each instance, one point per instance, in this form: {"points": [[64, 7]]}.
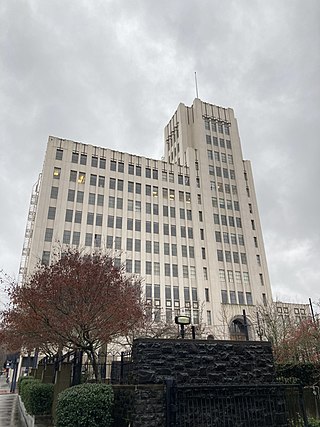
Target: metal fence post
{"points": [[76, 369], [302, 407], [169, 401], [121, 367], [15, 372]]}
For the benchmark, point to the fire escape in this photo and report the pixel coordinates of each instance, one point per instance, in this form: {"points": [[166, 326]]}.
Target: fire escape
{"points": [[29, 230]]}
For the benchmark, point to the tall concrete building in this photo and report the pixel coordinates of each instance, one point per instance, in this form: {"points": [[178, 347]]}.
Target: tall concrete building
{"points": [[188, 224]]}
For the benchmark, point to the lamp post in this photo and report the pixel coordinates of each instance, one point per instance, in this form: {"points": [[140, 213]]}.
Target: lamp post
{"points": [[182, 321]]}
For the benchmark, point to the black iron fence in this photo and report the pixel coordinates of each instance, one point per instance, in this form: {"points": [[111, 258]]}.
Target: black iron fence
{"points": [[235, 406], [112, 367]]}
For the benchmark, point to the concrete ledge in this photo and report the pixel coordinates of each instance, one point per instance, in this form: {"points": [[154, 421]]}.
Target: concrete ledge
{"points": [[34, 420]]}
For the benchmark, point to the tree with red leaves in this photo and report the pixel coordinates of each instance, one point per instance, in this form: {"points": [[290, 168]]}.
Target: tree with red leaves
{"points": [[79, 302], [292, 341], [302, 345]]}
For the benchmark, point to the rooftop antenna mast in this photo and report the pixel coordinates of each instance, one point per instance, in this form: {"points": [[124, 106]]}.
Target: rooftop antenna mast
{"points": [[195, 78]]}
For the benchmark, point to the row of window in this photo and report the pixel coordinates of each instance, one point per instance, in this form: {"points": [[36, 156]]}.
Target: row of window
{"points": [[233, 297], [150, 247], [227, 220], [234, 277], [150, 227], [296, 310], [213, 140], [92, 197], [227, 188], [156, 313], [228, 256], [131, 224], [223, 157], [168, 194], [82, 159], [66, 236], [226, 173], [215, 126], [172, 293], [153, 268], [132, 169], [229, 238], [225, 203], [149, 173], [132, 205]]}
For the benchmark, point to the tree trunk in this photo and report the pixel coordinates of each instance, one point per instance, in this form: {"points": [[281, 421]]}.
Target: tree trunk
{"points": [[95, 366]]}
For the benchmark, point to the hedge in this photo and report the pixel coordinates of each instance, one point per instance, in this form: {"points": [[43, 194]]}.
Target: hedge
{"points": [[305, 374], [37, 397], [23, 380], [85, 405]]}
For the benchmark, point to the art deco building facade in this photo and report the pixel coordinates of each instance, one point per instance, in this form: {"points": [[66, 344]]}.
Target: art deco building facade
{"points": [[187, 224]]}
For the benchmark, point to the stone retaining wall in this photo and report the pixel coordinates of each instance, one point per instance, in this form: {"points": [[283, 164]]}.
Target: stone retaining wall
{"points": [[202, 362]]}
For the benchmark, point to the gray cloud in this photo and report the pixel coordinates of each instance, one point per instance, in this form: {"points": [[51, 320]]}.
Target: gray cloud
{"points": [[112, 73]]}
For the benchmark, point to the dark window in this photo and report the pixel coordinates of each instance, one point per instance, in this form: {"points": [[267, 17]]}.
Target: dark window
{"points": [[90, 216], [110, 222], [112, 183], [93, 179], [73, 176], [101, 181], [69, 215], [66, 237], [71, 195], [48, 235], [100, 199], [80, 196], [75, 158], [99, 220], [54, 192], [59, 154], [83, 159], [78, 217]]}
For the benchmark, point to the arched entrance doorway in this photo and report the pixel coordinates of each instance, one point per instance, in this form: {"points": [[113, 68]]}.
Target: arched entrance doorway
{"points": [[237, 329]]}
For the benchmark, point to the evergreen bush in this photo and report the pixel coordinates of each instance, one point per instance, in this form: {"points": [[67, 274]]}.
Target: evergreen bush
{"points": [[23, 380], [305, 374], [85, 405], [37, 397]]}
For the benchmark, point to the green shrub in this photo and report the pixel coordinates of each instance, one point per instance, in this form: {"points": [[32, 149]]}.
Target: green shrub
{"points": [[85, 405], [23, 380], [304, 373], [312, 422], [37, 397], [23, 385]]}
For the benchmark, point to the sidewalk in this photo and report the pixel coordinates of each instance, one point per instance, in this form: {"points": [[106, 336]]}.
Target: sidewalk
{"points": [[9, 410]]}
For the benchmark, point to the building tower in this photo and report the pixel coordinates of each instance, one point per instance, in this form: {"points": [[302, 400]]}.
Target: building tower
{"points": [[187, 224]]}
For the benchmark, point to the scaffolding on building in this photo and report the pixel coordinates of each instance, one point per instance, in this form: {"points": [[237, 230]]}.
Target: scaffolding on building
{"points": [[29, 231]]}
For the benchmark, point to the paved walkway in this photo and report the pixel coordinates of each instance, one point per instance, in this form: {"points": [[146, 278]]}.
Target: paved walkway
{"points": [[9, 410]]}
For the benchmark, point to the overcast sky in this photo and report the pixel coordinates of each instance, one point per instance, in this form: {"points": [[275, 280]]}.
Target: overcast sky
{"points": [[111, 73]]}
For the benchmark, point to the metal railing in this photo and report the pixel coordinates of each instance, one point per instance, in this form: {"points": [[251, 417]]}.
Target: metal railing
{"points": [[113, 367], [271, 405]]}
